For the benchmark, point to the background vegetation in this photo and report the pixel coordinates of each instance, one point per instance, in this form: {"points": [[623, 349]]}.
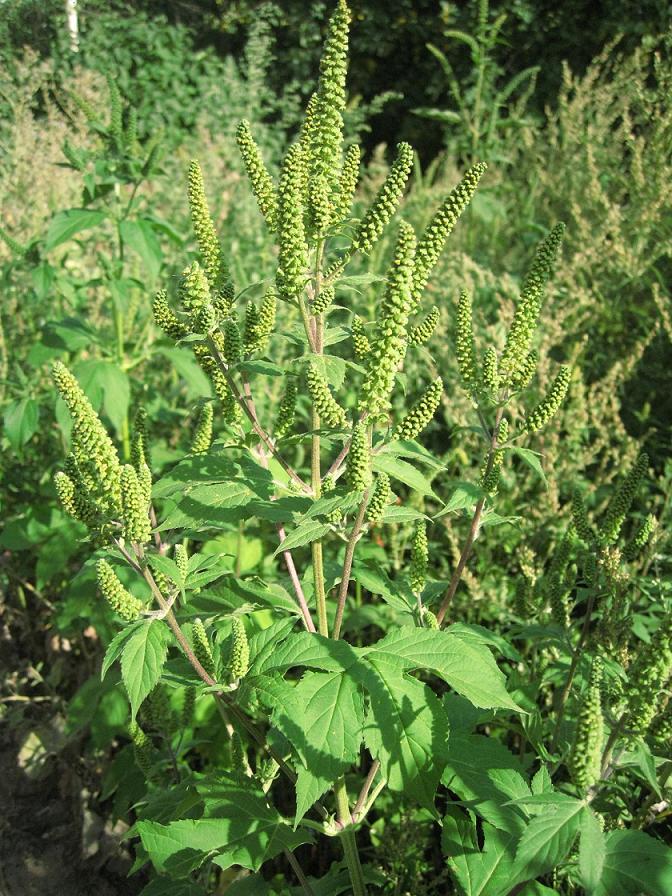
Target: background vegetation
{"points": [[572, 113]]}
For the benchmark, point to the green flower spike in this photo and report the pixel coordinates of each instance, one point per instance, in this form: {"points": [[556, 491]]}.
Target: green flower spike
{"points": [[194, 290], [65, 489], [441, 226], [379, 498], [216, 269], [421, 334], [326, 131], [324, 299], [580, 519], [619, 505], [421, 413], [182, 559], [514, 357], [360, 340], [293, 253], [385, 203], [550, 404], [116, 123], [166, 319], [120, 600], [325, 403], [201, 644], [359, 459], [143, 749], [202, 438], [139, 452], [188, 704], [157, 711], [522, 378], [465, 350], [137, 527], [586, 754], [239, 658], [263, 325], [430, 619], [388, 351], [490, 478], [261, 181], [419, 558], [287, 410], [95, 457], [489, 376], [233, 344], [640, 539], [347, 183], [647, 677]]}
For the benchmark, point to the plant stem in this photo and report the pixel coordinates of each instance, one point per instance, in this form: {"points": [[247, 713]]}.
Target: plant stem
{"points": [[572, 670], [347, 564], [364, 792], [347, 836]]}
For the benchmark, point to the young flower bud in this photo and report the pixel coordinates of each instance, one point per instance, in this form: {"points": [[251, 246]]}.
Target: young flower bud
{"points": [[359, 459], [324, 402], [239, 658], [385, 203], [421, 413], [323, 300], [640, 539], [464, 342], [550, 404], [287, 410], [137, 527], [143, 749], [360, 340], [201, 645], [166, 319], [440, 227], [620, 503], [120, 600], [420, 335], [202, 437], [586, 754], [430, 619], [419, 558], [216, 269], [260, 179], [293, 252], [379, 498]]}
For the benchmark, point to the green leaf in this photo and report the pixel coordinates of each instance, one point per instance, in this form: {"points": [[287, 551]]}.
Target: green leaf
{"points": [[142, 661], [21, 420], [67, 223], [306, 649], [116, 646], [486, 776], [406, 728], [548, 838], [635, 863], [169, 568], [241, 829], [533, 460], [322, 718], [479, 872], [107, 387], [468, 668], [592, 852], [140, 237], [403, 472], [464, 497], [162, 886], [305, 533]]}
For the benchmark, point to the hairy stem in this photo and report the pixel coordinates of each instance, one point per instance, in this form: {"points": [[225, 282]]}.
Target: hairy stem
{"points": [[347, 564], [348, 841]]}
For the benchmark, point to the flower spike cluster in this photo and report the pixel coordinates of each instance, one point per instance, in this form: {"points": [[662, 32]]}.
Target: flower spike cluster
{"points": [[385, 203], [293, 254], [419, 558], [325, 403], [620, 503], [647, 677], [216, 268], [465, 350], [586, 755], [379, 498], [202, 437], [550, 404], [260, 180], [119, 598], [359, 459], [421, 413], [422, 333]]}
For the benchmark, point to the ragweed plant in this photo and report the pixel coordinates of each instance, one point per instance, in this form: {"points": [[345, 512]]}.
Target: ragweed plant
{"points": [[315, 733]]}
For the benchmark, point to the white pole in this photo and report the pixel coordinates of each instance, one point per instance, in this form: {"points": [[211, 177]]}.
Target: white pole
{"points": [[73, 25]]}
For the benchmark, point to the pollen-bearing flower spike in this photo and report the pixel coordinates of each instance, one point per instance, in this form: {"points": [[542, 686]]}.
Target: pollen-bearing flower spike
{"points": [[201, 645], [263, 325], [323, 300], [287, 410], [379, 498], [490, 477], [94, 454], [202, 437], [550, 404], [419, 558], [325, 403], [326, 131], [489, 375], [359, 459], [137, 527], [465, 350], [516, 349], [389, 348], [347, 183], [139, 451], [648, 675], [421, 334], [239, 658], [641, 538], [441, 226], [216, 269], [65, 489], [586, 753], [360, 340], [122, 602], [421, 413], [619, 505], [233, 343], [526, 371], [580, 518], [261, 181], [143, 749], [166, 318], [385, 202], [194, 290], [181, 556], [293, 253]]}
